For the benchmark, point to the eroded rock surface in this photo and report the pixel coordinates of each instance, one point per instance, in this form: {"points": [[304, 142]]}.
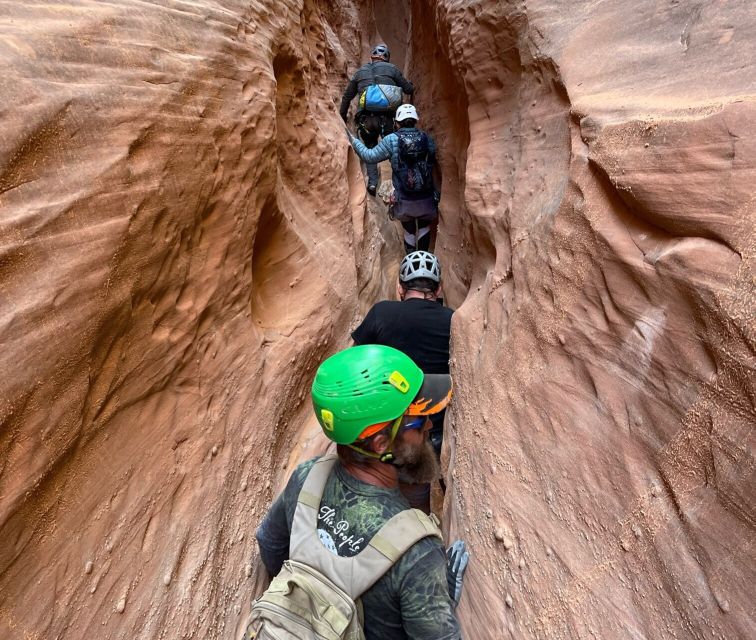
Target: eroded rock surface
{"points": [[181, 244], [598, 225]]}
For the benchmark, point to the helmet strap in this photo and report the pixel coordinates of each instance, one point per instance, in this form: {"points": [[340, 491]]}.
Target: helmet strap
{"points": [[387, 456]]}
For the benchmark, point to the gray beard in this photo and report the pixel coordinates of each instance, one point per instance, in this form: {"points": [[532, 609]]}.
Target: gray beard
{"points": [[416, 465]]}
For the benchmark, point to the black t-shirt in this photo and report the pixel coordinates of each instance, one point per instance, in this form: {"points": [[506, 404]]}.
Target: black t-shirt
{"points": [[419, 328]]}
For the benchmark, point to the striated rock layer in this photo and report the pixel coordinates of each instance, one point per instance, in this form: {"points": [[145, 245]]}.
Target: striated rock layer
{"points": [[598, 230], [181, 244]]}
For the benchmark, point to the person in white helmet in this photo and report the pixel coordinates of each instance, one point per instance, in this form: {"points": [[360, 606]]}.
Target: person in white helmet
{"points": [[420, 327], [379, 85], [413, 155]]}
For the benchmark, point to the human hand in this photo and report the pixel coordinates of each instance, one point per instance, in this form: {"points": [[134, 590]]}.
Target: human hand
{"points": [[457, 558]]}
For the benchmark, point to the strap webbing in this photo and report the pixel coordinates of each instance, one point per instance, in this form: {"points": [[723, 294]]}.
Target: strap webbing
{"points": [[387, 546], [306, 514], [357, 574], [316, 480], [310, 499]]}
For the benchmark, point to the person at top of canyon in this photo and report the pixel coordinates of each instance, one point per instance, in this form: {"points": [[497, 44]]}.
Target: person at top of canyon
{"points": [[413, 156], [420, 327], [379, 85], [373, 402]]}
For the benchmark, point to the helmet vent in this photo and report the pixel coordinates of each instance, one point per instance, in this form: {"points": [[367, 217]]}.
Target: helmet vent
{"points": [[420, 264]]}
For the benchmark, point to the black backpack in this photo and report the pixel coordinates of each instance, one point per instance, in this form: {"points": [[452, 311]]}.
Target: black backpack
{"points": [[414, 171]]}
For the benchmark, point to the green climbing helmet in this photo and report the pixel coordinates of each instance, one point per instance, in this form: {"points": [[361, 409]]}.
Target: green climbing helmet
{"points": [[362, 386]]}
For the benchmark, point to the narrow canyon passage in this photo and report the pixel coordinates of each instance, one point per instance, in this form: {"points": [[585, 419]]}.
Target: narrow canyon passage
{"points": [[184, 237]]}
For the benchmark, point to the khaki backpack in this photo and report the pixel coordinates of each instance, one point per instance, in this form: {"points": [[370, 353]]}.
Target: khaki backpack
{"points": [[316, 594]]}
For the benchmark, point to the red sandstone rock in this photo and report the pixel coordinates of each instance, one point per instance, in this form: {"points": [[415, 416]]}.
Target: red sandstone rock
{"points": [[181, 243], [180, 227], [598, 234]]}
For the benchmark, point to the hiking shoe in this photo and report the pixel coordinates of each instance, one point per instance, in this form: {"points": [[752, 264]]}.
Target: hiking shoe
{"points": [[371, 189]]}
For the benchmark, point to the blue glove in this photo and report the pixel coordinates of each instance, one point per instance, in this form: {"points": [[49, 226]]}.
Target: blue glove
{"points": [[456, 563]]}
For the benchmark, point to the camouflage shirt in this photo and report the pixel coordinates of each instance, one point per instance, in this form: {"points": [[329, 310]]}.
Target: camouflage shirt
{"points": [[411, 600]]}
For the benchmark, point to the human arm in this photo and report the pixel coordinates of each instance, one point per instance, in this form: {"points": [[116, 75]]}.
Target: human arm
{"points": [[435, 170], [274, 532], [349, 93], [431, 150], [273, 537], [365, 333], [427, 610], [380, 152], [457, 558], [402, 82]]}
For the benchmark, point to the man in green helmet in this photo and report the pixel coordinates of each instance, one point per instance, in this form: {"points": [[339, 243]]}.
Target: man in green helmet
{"points": [[373, 402]]}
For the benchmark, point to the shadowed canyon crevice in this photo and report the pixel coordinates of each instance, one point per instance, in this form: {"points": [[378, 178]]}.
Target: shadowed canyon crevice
{"points": [[184, 236]]}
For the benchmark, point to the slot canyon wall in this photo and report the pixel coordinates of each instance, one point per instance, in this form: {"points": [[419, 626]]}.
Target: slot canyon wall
{"points": [[181, 245], [184, 236], [599, 171]]}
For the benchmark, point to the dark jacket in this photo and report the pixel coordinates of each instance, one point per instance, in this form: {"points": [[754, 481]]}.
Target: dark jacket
{"points": [[388, 149], [379, 72]]}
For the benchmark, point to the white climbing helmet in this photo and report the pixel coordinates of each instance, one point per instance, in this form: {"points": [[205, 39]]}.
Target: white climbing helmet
{"points": [[420, 264], [406, 112]]}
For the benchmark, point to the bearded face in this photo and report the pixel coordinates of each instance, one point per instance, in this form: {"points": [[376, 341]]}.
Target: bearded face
{"points": [[416, 462]]}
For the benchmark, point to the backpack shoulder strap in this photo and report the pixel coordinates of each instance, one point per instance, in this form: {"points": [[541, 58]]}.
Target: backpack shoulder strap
{"points": [[357, 574], [408, 136], [401, 143], [315, 482], [387, 546], [423, 137], [308, 502]]}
